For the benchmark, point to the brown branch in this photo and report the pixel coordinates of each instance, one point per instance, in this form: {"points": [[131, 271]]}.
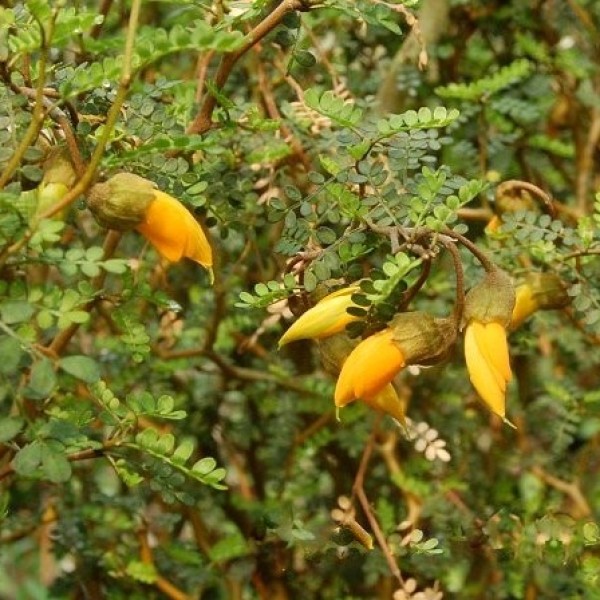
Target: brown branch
{"points": [[413, 290], [359, 491], [585, 163], [74, 153], [507, 186], [203, 120], [104, 9], [163, 584], [460, 281], [486, 263], [201, 72], [570, 489], [273, 112]]}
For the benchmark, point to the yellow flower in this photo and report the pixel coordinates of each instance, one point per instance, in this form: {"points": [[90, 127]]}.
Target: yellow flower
{"points": [[172, 229], [127, 201], [369, 368], [328, 317], [486, 354], [539, 291]]}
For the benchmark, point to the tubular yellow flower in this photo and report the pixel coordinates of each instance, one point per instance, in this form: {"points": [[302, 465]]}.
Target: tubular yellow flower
{"points": [[486, 355], [539, 291], [172, 229], [328, 317], [127, 201], [369, 368]]}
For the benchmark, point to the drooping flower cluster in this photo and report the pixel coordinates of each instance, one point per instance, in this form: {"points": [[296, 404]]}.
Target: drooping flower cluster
{"points": [[366, 369], [127, 201]]}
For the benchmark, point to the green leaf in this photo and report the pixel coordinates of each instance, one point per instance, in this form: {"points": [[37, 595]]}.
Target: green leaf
{"points": [[55, 465], [14, 311], [10, 427], [10, 353], [41, 381], [183, 451], [81, 367], [28, 458], [204, 465], [142, 571]]}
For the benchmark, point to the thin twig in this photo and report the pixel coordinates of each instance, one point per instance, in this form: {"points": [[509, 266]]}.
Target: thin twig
{"points": [[571, 489], [203, 120], [163, 584], [506, 186], [460, 281], [585, 163], [486, 263], [359, 491], [103, 10]]}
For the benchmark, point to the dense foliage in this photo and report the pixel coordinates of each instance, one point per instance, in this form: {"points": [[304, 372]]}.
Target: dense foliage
{"points": [[154, 440]]}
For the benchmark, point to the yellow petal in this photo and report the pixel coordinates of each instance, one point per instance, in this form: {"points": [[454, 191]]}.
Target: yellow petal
{"points": [[525, 305], [491, 339], [369, 368], [388, 402], [170, 227], [486, 379], [326, 318]]}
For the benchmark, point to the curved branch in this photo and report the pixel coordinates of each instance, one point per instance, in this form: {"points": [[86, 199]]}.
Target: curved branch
{"points": [[203, 120]]}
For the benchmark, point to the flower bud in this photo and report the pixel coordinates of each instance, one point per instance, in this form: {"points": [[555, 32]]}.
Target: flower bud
{"points": [[58, 169], [59, 177], [491, 300], [122, 201]]}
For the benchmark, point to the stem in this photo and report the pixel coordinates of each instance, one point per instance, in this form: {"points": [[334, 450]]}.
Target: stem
{"points": [[486, 263], [410, 293], [460, 281], [506, 186], [359, 491], [203, 120]]}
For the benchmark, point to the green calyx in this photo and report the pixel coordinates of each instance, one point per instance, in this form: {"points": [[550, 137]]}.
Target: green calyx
{"points": [[423, 338], [121, 202], [491, 301]]}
